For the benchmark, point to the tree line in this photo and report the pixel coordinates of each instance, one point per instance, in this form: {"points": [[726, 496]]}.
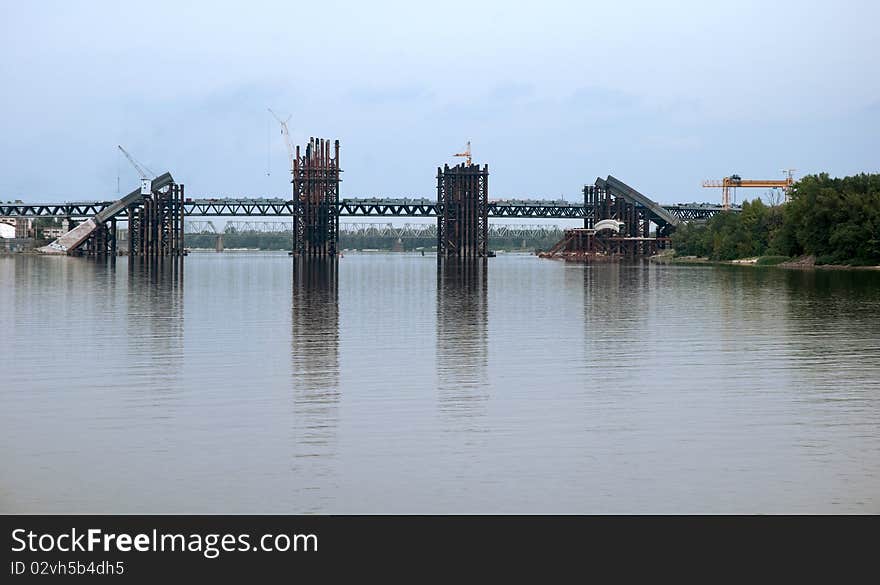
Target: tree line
{"points": [[835, 220], [282, 241]]}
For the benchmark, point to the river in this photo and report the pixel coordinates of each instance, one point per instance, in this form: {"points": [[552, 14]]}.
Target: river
{"points": [[251, 383]]}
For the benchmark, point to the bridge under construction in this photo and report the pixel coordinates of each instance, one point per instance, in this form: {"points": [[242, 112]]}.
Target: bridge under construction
{"points": [[156, 213]]}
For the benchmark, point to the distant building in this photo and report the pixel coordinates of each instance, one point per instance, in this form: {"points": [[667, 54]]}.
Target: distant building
{"points": [[52, 232], [22, 228]]}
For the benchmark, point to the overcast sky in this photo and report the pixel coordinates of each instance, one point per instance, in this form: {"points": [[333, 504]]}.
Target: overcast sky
{"points": [[552, 94]]}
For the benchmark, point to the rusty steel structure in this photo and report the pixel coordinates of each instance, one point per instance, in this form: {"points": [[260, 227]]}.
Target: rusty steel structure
{"points": [[603, 244], [356, 207], [156, 224], [607, 205], [463, 214], [316, 199], [617, 224], [102, 241], [612, 199]]}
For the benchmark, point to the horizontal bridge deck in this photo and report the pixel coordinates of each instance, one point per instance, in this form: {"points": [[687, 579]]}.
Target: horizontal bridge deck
{"points": [[353, 207]]}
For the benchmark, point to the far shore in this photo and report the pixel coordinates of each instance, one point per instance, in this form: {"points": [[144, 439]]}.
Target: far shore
{"points": [[802, 263]]}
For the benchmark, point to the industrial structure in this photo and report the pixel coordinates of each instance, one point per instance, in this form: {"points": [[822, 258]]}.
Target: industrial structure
{"points": [[466, 154], [155, 224], [316, 199], [155, 213], [731, 183], [288, 143], [236, 206], [618, 224], [463, 218], [155, 221]]}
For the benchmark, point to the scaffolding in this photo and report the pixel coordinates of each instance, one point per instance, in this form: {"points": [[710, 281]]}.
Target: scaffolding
{"points": [[156, 224], [463, 214], [316, 198]]}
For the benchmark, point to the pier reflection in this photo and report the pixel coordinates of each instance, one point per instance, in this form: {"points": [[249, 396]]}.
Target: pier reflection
{"points": [[315, 359], [155, 324], [462, 337]]}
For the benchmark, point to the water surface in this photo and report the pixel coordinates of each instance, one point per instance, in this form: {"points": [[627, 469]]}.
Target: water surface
{"points": [[249, 383]]}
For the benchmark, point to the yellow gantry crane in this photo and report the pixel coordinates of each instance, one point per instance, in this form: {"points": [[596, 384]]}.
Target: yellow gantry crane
{"points": [[734, 181], [466, 154]]}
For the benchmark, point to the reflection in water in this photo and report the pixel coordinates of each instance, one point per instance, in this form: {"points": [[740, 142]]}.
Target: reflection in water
{"points": [[598, 388], [315, 357], [833, 319], [155, 328], [462, 335], [623, 322], [611, 302]]}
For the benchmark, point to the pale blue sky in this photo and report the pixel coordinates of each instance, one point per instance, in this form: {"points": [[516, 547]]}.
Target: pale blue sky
{"points": [[551, 94]]}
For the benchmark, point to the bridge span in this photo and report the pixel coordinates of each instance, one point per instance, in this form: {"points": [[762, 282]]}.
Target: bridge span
{"points": [[350, 207], [156, 212]]}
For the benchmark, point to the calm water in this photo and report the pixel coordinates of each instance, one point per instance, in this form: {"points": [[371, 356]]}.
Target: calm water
{"points": [[254, 385]]}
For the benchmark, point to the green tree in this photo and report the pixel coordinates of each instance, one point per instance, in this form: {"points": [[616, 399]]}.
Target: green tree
{"points": [[835, 220]]}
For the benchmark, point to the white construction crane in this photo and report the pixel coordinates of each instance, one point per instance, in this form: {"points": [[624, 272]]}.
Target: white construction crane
{"points": [[286, 133], [146, 174]]}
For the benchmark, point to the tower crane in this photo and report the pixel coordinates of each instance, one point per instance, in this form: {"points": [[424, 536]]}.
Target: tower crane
{"points": [[146, 174], [466, 154], [734, 181], [285, 132]]}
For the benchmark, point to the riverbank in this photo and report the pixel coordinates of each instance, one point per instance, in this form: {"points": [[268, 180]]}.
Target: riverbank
{"points": [[800, 263]]}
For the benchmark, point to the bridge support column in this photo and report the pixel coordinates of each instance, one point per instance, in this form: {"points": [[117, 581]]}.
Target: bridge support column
{"points": [[591, 202], [463, 214], [155, 227], [113, 233], [315, 199]]}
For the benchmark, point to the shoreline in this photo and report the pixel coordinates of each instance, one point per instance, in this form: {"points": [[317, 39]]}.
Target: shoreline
{"points": [[804, 263]]}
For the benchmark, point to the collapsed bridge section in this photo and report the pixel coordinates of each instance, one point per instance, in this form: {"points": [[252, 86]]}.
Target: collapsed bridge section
{"points": [[617, 223], [155, 221], [611, 198]]}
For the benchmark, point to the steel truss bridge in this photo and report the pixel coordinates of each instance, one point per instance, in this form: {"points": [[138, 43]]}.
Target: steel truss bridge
{"points": [[381, 230], [352, 207]]}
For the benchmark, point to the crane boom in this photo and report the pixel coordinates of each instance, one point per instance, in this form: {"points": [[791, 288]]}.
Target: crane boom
{"points": [[749, 183], [466, 154], [142, 170], [146, 174], [285, 132]]}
